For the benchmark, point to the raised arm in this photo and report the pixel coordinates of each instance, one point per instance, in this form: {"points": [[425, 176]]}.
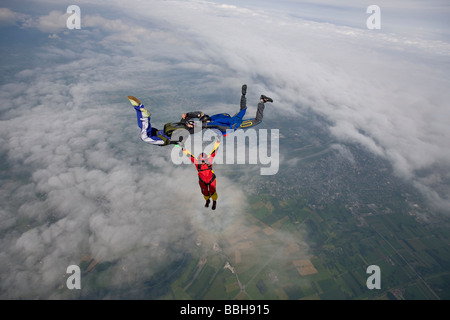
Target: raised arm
{"points": [[213, 152], [190, 155]]}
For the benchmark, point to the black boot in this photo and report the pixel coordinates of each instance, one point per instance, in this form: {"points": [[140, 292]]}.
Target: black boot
{"points": [[265, 99], [214, 205], [244, 89], [207, 203]]}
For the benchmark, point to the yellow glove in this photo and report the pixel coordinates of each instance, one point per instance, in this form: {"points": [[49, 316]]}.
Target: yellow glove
{"points": [[186, 152], [145, 113], [216, 144]]}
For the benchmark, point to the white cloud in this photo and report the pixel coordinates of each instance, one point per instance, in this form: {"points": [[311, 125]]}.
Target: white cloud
{"points": [[11, 18], [84, 195], [53, 22]]}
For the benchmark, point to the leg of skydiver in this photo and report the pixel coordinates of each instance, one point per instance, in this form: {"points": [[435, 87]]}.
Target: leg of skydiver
{"points": [[148, 134], [243, 103], [236, 120], [247, 123], [259, 112], [243, 98], [214, 196], [205, 192]]}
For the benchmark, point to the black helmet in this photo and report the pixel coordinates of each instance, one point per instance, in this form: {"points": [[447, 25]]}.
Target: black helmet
{"points": [[205, 117]]}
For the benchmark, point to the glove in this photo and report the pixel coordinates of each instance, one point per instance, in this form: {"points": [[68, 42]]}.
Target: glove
{"points": [[145, 113]]}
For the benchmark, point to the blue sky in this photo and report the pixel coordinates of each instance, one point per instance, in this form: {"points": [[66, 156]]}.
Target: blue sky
{"points": [[67, 132]]}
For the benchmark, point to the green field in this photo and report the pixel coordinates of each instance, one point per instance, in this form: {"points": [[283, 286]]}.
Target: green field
{"points": [[414, 260]]}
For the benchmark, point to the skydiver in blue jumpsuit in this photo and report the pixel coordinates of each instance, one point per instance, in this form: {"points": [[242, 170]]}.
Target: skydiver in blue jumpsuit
{"points": [[226, 123]]}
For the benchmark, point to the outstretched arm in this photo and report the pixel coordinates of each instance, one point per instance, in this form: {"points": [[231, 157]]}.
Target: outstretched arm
{"points": [[192, 115], [187, 118], [190, 155], [213, 152]]}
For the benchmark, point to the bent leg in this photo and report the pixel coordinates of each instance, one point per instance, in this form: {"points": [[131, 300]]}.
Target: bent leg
{"points": [[143, 119], [146, 132], [254, 121], [259, 112]]}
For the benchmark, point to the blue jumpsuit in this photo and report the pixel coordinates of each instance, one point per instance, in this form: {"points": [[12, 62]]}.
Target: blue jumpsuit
{"points": [[148, 133], [225, 123], [225, 120]]}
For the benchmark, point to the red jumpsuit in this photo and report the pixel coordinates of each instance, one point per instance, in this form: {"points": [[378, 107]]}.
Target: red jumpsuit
{"points": [[207, 178]]}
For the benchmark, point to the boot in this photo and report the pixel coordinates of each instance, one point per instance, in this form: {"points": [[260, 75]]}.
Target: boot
{"points": [[244, 89], [214, 205], [134, 101], [207, 203], [265, 99]]}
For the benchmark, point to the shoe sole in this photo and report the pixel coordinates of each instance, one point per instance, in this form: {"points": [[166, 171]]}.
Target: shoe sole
{"points": [[134, 101]]}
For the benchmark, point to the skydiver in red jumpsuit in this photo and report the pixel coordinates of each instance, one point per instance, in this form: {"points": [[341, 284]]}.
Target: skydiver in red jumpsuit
{"points": [[207, 178]]}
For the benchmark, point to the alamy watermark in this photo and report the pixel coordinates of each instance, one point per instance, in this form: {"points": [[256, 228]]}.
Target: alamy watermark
{"points": [[74, 280], [250, 146], [374, 21], [374, 281], [74, 20]]}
